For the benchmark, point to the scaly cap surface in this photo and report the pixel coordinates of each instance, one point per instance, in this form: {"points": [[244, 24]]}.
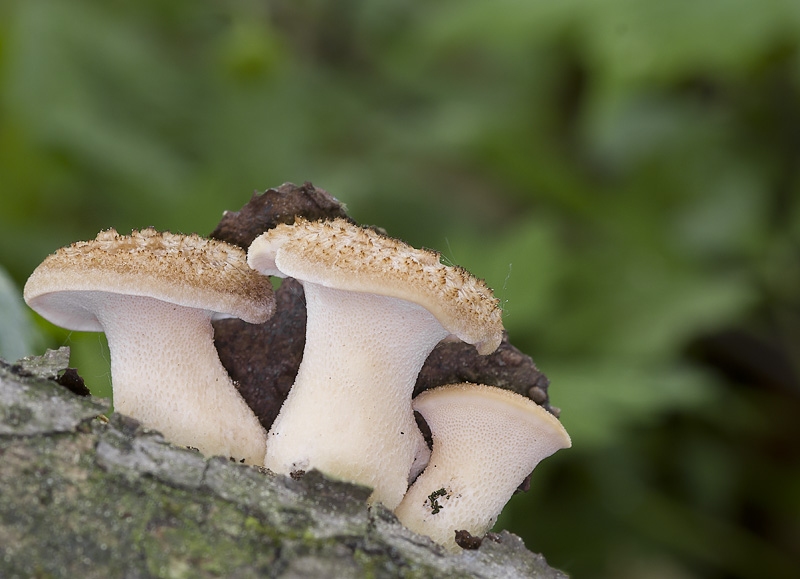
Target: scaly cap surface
{"points": [[341, 255], [187, 270]]}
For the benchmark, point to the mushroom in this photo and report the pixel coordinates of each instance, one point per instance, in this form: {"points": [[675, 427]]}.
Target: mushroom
{"points": [[486, 441], [154, 295], [376, 307]]}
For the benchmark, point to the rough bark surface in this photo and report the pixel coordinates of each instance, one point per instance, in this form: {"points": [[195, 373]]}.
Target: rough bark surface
{"points": [[262, 359], [279, 205], [86, 496]]}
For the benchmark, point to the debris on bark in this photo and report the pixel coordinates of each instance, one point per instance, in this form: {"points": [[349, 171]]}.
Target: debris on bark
{"points": [[283, 204]]}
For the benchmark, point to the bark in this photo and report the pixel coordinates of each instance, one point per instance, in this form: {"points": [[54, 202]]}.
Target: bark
{"points": [[82, 495]]}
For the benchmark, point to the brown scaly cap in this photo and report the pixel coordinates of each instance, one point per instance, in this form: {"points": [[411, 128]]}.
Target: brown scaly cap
{"points": [[341, 255], [187, 270]]}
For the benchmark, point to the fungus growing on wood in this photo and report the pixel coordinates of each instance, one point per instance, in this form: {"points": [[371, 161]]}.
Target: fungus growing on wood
{"points": [[486, 441], [376, 307], [154, 295]]}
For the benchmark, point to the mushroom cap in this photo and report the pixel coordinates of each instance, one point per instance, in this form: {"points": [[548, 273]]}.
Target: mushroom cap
{"points": [[340, 255], [483, 409], [187, 270]]}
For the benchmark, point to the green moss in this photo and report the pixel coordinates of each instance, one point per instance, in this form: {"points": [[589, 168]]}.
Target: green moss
{"points": [[15, 415]]}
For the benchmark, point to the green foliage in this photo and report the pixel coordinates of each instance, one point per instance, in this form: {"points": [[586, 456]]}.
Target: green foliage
{"points": [[17, 335], [624, 174]]}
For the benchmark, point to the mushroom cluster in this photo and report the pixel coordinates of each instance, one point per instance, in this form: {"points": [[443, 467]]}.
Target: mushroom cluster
{"points": [[375, 306]]}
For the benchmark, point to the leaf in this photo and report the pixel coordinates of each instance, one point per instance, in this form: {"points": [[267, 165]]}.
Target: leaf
{"points": [[602, 398], [18, 338]]}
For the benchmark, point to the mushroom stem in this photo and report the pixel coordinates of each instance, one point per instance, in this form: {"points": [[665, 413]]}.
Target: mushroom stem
{"points": [[172, 379], [349, 412]]}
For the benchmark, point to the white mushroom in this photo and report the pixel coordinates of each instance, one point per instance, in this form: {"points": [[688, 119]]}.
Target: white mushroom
{"points": [[376, 308], [486, 440], [154, 295]]}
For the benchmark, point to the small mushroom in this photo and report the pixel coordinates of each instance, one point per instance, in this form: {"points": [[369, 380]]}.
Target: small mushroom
{"points": [[154, 295], [486, 441], [376, 307]]}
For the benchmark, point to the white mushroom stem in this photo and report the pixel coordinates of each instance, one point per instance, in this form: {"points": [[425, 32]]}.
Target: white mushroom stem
{"points": [[485, 442], [349, 412], [167, 374]]}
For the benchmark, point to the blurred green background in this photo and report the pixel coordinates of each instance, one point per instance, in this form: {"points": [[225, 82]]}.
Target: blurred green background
{"points": [[623, 173]]}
